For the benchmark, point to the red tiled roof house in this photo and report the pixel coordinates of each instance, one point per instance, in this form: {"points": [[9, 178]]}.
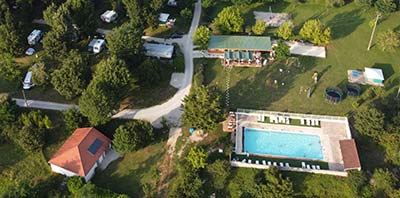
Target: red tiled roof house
{"points": [[81, 153]]}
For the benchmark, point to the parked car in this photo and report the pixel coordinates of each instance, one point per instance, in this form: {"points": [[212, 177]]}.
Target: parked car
{"points": [[27, 84], [30, 51]]}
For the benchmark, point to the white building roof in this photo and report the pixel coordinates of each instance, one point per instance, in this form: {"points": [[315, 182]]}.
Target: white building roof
{"points": [[158, 50], [163, 17], [374, 73]]}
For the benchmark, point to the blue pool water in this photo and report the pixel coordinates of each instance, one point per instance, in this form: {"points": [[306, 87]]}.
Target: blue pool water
{"points": [[282, 144]]}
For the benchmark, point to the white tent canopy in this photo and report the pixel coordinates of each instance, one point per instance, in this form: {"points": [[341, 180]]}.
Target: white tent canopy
{"points": [[373, 73]]}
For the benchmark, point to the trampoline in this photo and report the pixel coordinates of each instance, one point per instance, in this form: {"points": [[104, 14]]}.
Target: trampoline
{"points": [[333, 95], [353, 90]]}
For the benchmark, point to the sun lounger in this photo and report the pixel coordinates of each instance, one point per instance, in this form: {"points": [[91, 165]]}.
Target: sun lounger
{"points": [[287, 164], [303, 165], [313, 166], [264, 162], [244, 160], [308, 122], [287, 121], [318, 123], [249, 161], [308, 166], [302, 121], [318, 167], [275, 164], [280, 164], [257, 162], [269, 163]]}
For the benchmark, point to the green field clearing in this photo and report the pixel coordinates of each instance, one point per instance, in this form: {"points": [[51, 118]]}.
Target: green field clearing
{"points": [[127, 175], [250, 87]]}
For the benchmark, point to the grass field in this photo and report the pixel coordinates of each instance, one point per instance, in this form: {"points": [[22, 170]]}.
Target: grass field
{"points": [[129, 174], [250, 87]]}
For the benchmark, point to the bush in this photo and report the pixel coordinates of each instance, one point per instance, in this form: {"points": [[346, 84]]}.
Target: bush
{"points": [[202, 36], [197, 157], [259, 28], [314, 32], [74, 184], [285, 30], [73, 119], [282, 51], [388, 40], [133, 136]]}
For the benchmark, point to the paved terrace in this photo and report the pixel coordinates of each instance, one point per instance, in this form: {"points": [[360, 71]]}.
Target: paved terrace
{"points": [[331, 131]]}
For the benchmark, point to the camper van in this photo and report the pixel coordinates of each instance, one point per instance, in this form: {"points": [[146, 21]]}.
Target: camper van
{"points": [[109, 16], [27, 84], [96, 45], [34, 37]]}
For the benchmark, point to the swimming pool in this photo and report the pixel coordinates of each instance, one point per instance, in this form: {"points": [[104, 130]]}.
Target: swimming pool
{"points": [[285, 144]]}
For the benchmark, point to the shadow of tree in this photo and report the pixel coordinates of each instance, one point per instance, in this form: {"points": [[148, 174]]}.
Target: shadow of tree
{"points": [[345, 23]]}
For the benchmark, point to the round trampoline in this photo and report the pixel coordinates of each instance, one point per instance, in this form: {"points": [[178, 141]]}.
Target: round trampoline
{"points": [[333, 95], [353, 90]]}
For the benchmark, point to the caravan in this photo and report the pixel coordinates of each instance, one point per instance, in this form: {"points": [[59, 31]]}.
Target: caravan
{"points": [[109, 16], [34, 37], [27, 84], [97, 45]]}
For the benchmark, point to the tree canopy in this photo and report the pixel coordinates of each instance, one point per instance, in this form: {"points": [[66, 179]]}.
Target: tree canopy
{"points": [[259, 28], [202, 109], [388, 40], [369, 122], [197, 157], [9, 70], [73, 119], [202, 36], [219, 172], [230, 19], [132, 136], [71, 79], [285, 31], [314, 32]]}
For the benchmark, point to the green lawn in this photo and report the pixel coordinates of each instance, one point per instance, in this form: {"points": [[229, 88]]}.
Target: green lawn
{"points": [[250, 87], [129, 174]]}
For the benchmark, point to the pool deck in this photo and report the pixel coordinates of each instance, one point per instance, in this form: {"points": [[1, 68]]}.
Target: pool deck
{"points": [[330, 132]]}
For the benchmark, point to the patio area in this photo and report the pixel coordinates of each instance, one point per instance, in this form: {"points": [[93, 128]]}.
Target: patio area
{"points": [[272, 19]]}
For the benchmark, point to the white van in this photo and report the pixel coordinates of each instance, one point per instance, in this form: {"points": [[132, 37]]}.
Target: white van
{"points": [[27, 84], [34, 37]]}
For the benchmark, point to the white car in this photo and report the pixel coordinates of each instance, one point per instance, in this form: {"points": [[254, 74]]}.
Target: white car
{"points": [[30, 51]]}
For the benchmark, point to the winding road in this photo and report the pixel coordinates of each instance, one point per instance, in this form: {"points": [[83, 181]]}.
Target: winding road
{"points": [[171, 110]]}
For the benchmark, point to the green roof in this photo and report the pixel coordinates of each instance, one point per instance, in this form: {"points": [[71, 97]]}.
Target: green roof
{"points": [[256, 43]]}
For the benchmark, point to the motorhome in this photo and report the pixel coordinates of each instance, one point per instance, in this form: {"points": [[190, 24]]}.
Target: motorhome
{"points": [[34, 37], [109, 16], [27, 84], [97, 45]]}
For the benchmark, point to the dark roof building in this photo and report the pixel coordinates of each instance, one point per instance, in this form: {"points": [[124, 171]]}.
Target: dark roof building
{"points": [[350, 155]]}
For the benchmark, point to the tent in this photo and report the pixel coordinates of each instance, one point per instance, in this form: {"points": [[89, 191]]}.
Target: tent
{"points": [[374, 75]]}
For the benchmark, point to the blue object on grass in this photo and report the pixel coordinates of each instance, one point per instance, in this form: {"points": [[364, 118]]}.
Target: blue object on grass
{"points": [[191, 130], [355, 73]]}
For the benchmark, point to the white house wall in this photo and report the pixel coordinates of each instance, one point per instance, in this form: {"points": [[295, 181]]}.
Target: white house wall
{"points": [[62, 171], [91, 173]]}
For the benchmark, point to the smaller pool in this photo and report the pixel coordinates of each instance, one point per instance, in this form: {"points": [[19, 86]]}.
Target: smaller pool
{"points": [[286, 144]]}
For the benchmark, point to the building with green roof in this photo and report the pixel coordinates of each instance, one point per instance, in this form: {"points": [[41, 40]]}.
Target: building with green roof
{"points": [[221, 43]]}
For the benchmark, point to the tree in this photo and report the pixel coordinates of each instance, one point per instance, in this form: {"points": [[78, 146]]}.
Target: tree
{"points": [[9, 70], [230, 19], [91, 190], [219, 172], [74, 184], [132, 136], [202, 36], [113, 72], [188, 184], [388, 40], [10, 42], [8, 110], [73, 119], [317, 185], [39, 74], [314, 32], [202, 109], [197, 157], [98, 101], [276, 186], [54, 46], [71, 79], [83, 15], [186, 14], [241, 2], [150, 72], [29, 131], [282, 51], [369, 122], [125, 41], [207, 3], [285, 31], [156, 5], [133, 8], [390, 142], [59, 18], [259, 28], [385, 6], [383, 182]]}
